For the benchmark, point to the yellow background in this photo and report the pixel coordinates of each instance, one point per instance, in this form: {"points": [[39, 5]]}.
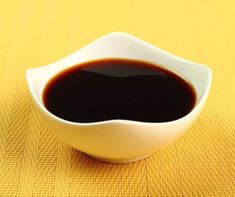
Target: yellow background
{"points": [[36, 32]]}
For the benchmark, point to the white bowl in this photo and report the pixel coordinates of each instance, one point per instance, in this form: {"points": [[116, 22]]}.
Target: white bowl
{"points": [[120, 141]]}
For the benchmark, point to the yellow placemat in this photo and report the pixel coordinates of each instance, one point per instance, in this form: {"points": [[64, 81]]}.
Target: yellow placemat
{"points": [[34, 162]]}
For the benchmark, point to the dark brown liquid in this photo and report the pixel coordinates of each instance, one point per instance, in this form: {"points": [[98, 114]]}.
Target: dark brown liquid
{"points": [[118, 89]]}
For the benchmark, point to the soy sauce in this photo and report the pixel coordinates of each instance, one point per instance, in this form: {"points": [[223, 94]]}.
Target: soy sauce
{"points": [[109, 89]]}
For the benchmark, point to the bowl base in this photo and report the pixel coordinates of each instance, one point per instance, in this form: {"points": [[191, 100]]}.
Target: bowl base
{"points": [[120, 161]]}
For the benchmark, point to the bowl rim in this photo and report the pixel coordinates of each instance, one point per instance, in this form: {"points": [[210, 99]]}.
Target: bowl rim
{"points": [[123, 121]]}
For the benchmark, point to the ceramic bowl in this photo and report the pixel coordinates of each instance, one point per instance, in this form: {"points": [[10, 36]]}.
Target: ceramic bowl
{"points": [[118, 140]]}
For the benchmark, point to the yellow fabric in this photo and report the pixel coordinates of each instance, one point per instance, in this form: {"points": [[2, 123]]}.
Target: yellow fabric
{"points": [[33, 161]]}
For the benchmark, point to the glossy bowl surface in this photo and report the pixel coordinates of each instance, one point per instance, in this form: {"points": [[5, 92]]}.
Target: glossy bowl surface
{"points": [[120, 141]]}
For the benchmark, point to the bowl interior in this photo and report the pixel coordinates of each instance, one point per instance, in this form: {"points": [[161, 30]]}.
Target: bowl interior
{"points": [[122, 45]]}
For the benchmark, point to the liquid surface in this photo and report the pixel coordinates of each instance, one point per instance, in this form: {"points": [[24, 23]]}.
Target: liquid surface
{"points": [[118, 89]]}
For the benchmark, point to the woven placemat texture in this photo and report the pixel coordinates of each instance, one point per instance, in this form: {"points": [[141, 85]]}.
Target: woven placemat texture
{"points": [[34, 162]]}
